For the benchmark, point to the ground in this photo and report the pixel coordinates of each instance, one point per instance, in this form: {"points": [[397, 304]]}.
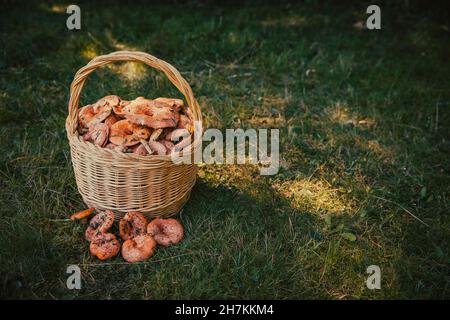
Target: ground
{"points": [[364, 127]]}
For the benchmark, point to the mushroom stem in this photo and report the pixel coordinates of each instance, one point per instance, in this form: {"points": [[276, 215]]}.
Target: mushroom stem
{"points": [[146, 146], [155, 134]]}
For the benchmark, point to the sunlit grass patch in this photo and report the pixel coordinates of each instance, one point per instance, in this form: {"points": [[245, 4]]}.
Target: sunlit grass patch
{"points": [[56, 8], [130, 71], [89, 52], [316, 196], [341, 114]]}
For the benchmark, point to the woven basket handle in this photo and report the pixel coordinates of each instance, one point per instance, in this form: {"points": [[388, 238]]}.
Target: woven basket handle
{"points": [[172, 74]]}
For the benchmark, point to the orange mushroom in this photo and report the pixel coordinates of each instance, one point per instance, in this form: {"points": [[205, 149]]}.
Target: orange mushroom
{"points": [[95, 113], [88, 115], [125, 133], [105, 246], [139, 248], [118, 110], [99, 224], [97, 134], [178, 104], [151, 113], [132, 224], [111, 120], [111, 101], [166, 231]]}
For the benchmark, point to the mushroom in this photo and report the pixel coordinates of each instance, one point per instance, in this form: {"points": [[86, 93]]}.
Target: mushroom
{"points": [[97, 134], [139, 149], [111, 120], [99, 224], [144, 143], [139, 248], [118, 110], [151, 113], [111, 101], [90, 115], [156, 134], [105, 246], [185, 123], [165, 231], [111, 146], [125, 133], [132, 224], [157, 147], [168, 144], [95, 113], [178, 104]]}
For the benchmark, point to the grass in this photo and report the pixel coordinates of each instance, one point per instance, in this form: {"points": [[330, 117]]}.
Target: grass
{"points": [[364, 126]]}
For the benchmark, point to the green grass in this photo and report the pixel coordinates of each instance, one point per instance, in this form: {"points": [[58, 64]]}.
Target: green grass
{"points": [[364, 141]]}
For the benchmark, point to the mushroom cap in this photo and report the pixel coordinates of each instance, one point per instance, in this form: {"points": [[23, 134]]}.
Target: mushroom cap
{"points": [[111, 101], [178, 104], [132, 224], [98, 134], [118, 110], [105, 246], [139, 248], [151, 113], [90, 115], [95, 113], [85, 115], [166, 231], [99, 224], [110, 120], [125, 133]]}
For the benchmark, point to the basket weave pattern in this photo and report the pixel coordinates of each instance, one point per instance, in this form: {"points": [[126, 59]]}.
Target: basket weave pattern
{"points": [[123, 182]]}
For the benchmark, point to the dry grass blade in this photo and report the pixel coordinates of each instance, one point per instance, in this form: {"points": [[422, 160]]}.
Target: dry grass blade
{"points": [[404, 209]]}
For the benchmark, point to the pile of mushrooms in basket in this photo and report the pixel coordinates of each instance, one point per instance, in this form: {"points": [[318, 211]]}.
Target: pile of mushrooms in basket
{"points": [[145, 127], [141, 126]]}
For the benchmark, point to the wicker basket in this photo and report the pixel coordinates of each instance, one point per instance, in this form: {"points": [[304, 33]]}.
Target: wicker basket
{"points": [[123, 182]]}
